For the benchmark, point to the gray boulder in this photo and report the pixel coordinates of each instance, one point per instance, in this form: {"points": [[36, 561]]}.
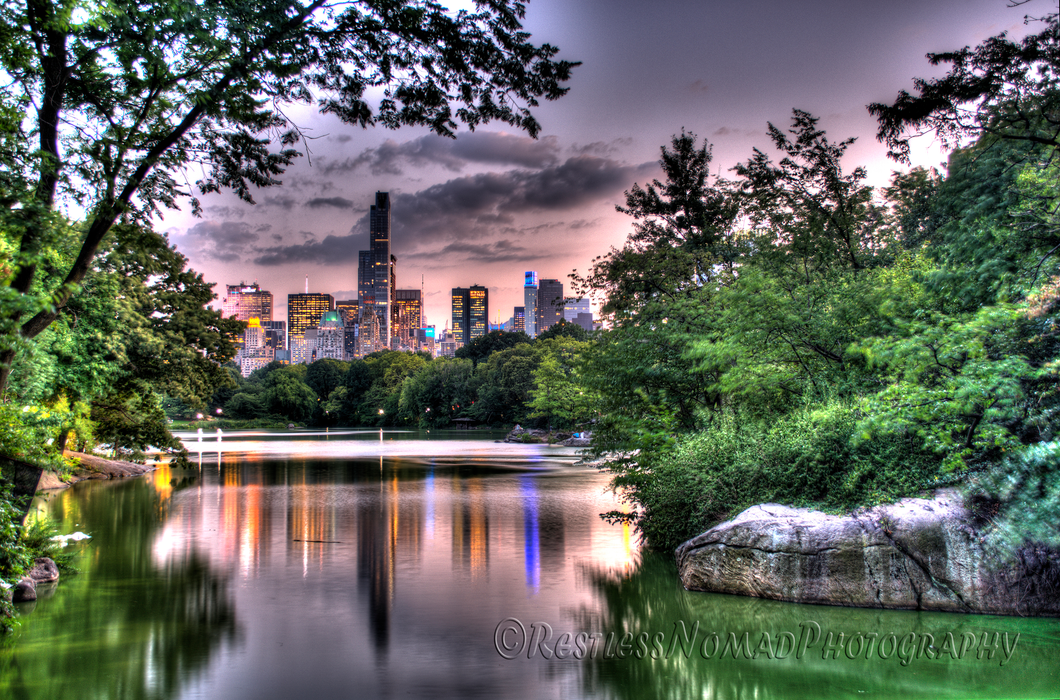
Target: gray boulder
{"points": [[919, 554], [44, 571], [24, 591]]}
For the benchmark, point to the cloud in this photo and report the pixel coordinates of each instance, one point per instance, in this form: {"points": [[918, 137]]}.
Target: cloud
{"points": [[224, 212], [338, 202], [698, 87], [333, 250], [281, 201], [600, 148], [227, 241], [486, 147], [458, 217]]}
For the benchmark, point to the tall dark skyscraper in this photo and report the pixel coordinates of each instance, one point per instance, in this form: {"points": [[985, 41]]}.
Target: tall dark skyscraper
{"points": [[549, 304], [375, 267], [470, 313]]}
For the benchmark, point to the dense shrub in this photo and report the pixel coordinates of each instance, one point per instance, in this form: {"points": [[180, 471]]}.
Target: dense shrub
{"points": [[806, 458]]}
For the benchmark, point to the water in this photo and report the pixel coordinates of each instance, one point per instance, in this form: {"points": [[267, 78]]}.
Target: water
{"points": [[384, 565]]}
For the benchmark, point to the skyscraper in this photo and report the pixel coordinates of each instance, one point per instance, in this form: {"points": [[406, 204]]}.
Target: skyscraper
{"points": [[470, 313], [407, 317], [549, 305], [530, 302], [519, 319], [375, 287], [246, 301], [304, 311]]}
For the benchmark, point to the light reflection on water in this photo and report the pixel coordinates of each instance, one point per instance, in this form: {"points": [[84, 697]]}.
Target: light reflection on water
{"points": [[337, 565]]}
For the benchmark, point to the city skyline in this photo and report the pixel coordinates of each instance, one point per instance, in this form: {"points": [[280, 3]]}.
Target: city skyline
{"points": [[493, 203]]}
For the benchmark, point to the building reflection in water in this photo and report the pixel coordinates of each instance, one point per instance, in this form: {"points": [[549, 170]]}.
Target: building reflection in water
{"points": [[470, 526], [372, 522], [531, 533]]}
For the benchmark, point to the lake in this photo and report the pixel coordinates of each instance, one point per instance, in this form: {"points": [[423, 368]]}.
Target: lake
{"points": [[399, 564]]}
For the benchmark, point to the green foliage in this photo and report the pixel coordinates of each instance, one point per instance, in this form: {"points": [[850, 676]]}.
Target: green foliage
{"points": [[1020, 496], [959, 383], [286, 394], [999, 90], [442, 390], [558, 395], [484, 346], [808, 458], [563, 329], [14, 556], [28, 432], [790, 337], [37, 534]]}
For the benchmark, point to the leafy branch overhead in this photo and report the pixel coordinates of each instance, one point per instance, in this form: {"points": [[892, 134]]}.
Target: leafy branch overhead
{"points": [[1002, 88]]}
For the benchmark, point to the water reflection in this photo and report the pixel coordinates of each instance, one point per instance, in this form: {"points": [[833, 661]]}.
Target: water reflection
{"points": [[129, 626], [853, 656], [270, 574]]}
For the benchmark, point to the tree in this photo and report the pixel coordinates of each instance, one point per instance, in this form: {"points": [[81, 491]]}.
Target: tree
{"points": [[557, 394], [123, 98], [324, 376], [564, 329], [682, 234], [438, 392], [137, 329], [811, 212], [1001, 89], [504, 384], [482, 347]]}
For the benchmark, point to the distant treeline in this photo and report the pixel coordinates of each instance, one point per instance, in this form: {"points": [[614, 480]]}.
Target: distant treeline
{"points": [[500, 379]]}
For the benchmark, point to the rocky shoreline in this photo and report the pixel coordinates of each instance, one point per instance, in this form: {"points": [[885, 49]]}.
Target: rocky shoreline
{"points": [[534, 436], [916, 554], [93, 467]]}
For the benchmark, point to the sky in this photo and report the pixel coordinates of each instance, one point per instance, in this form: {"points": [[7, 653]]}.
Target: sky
{"points": [[493, 203]]}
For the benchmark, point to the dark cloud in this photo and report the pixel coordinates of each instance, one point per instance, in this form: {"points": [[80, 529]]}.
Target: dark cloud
{"points": [[280, 201], [457, 216], [223, 212], [600, 148], [698, 87], [333, 250], [583, 223], [487, 147], [227, 241], [499, 251], [338, 202]]}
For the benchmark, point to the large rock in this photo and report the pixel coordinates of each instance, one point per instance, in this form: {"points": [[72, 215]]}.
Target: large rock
{"points": [[24, 591], [920, 554], [44, 571]]}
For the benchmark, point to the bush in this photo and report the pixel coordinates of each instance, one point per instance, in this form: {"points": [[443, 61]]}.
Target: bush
{"points": [[807, 458]]}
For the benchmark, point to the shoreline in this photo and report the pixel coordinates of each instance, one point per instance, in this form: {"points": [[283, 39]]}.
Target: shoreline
{"points": [[93, 467]]}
